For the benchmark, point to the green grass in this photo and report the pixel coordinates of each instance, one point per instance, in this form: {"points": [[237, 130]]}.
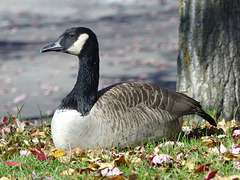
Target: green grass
{"points": [[197, 153]]}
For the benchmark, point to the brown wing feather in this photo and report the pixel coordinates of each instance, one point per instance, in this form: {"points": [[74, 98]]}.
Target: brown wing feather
{"points": [[132, 94], [120, 98]]}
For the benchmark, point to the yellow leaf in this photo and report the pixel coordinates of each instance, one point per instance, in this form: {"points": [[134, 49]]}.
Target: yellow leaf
{"points": [[59, 153]]}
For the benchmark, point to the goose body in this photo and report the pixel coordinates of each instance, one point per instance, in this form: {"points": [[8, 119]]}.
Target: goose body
{"points": [[122, 114]]}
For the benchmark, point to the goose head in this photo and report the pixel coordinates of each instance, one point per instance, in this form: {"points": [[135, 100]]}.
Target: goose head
{"points": [[81, 42], [73, 41]]}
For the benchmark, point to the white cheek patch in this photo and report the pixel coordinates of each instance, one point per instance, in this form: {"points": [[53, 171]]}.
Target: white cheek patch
{"points": [[78, 45]]}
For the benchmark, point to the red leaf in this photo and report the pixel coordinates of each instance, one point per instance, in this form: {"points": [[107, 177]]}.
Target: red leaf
{"points": [[5, 120], [41, 156], [202, 168], [211, 175], [10, 163]]}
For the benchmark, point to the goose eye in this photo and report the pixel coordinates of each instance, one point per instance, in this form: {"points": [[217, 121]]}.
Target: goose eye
{"points": [[71, 35]]}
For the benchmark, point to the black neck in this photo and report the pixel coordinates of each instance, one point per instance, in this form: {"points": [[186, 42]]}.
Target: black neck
{"points": [[84, 94]]}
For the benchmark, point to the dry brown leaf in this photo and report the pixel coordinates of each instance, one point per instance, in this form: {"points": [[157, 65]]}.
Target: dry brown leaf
{"points": [[136, 161], [9, 152], [94, 167], [145, 175], [209, 142], [122, 160], [226, 125], [38, 133], [116, 177], [234, 177], [26, 142], [190, 165], [78, 152], [68, 172], [158, 176], [133, 176], [4, 178], [99, 166], [157, 149], [185, 123], [230, 157]]}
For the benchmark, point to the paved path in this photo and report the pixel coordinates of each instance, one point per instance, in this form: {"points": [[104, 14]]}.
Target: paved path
{"points": [[138, 41]]}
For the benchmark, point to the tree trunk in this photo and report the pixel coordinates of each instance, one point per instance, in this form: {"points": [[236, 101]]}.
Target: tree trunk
{"points": [[209, 54]]}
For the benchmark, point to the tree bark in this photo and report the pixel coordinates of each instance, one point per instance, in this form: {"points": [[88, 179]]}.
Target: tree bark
{"points": [[209, 54]]}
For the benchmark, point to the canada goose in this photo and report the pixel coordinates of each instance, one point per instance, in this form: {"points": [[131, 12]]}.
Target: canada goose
{"points": [[122, 114]]}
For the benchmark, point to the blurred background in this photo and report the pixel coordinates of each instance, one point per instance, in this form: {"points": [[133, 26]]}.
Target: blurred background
{"points": [[138, 41]]}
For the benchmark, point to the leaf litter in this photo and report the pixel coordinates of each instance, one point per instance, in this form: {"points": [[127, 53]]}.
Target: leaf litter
{"points": [[30, 138]]}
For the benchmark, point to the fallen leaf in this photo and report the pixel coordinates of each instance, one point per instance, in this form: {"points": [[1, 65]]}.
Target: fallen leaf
{"points": [[203, 168], [235, 149], [10, 163], [20, 98], [4, 178], [223, 149], [9, 152], [68, 172], [161, 159], [234, 177], [226, 125], [236, 164], [100, 166], [190, 165], [208, 142], [158, 177], [168, 144], [140, 149], [40, 154], [121, 161], [211, 175], [24, 152], [78, 152], [59, 153], [187, 130], [111, 171], [136, 161], [38, 133], [116, 177], [133, 176]]}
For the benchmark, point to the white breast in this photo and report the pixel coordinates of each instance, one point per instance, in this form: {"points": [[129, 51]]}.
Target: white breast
{"points": [[70, 130]]}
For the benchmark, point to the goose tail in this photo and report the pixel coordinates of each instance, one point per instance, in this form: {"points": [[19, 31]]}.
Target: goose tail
{"points": [[207, 117]]}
